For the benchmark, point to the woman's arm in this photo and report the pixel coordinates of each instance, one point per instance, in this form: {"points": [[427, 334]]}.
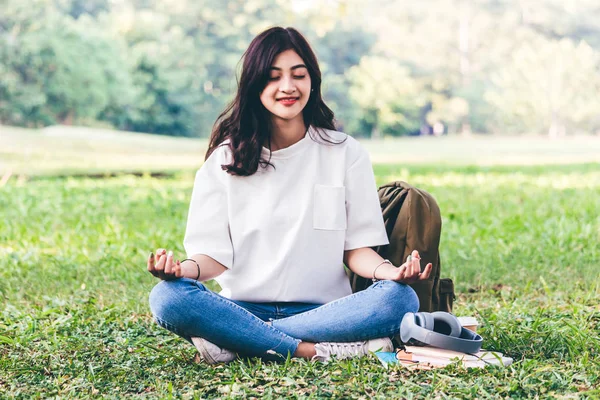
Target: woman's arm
{"points": [[209, 268], [364, 261]]}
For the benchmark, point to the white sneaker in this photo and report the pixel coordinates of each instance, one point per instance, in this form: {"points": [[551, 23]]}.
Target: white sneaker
{"points": [[210, 353], [325, 351]]}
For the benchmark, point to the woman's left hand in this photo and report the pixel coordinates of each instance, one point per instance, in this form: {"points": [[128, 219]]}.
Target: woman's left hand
{"points": [[410, 271]]}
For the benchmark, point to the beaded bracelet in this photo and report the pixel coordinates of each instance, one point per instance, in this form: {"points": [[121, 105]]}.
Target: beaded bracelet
{"points": [[197, 265], [383, 262]]}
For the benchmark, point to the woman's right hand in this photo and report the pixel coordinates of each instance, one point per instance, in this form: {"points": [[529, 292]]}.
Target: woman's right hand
{"points": [[163, 267]]}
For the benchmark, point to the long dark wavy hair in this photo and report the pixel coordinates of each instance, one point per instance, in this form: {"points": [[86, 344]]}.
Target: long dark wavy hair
{"points": [[245, 121]]}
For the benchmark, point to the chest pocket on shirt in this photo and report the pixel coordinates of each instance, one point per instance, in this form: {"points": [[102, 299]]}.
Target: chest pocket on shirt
{"points": [[329, 212]]}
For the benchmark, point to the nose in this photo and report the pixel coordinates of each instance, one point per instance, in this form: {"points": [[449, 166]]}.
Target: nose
{"points": [[287, 85]]}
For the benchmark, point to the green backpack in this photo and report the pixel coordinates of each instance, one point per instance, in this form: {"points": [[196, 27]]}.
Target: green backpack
{"points": [[413, 222]]}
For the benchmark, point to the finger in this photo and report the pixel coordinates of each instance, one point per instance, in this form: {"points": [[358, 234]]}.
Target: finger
{"points": [[402, 273], [178, 269], [414, 263], [416, 269], [151, 264], [416, 255], [425, 274], [409, 267], [403, 268], [418, 265], [169, 263], [160, 265]]}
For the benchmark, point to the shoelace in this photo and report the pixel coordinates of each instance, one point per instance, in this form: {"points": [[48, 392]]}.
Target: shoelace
{"points": [[345, 349]]}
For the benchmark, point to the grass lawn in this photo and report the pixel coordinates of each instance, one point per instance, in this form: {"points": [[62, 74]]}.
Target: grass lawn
{"points": [[522, 243]]}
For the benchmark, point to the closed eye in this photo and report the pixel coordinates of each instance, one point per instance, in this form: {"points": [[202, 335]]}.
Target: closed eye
{"points": [[274, 78]]}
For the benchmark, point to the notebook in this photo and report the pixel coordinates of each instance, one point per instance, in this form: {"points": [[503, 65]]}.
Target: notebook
{"points": [[427, 357]]}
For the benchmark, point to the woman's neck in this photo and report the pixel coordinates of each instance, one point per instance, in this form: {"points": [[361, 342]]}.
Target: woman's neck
{"points": [[285, 133]]}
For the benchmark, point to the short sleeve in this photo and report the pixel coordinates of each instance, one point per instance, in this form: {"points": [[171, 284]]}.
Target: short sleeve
{"points": [[365, 227], [207, 230]]}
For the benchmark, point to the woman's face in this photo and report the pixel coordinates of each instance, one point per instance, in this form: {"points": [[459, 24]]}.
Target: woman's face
{"points": [[288, 88]]}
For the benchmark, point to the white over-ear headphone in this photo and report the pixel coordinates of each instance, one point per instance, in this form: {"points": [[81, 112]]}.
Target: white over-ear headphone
{"points": [[439, 329]]}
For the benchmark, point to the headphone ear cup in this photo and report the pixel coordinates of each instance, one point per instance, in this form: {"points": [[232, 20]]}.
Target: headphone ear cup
{"points": [[418, 319], [409, 321], [426, 320], [446, 324]]}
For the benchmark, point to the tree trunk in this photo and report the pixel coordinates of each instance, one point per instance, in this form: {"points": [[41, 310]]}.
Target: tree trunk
{"points": [[465, 129], [465, 61], [463, 42], [375, 132], [557, 128], [67, 118]]}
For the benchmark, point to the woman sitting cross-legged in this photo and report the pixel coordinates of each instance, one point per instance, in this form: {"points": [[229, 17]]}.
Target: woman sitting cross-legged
{"points": [[281, 203]]}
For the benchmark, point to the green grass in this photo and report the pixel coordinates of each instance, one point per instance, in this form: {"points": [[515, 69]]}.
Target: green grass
{"points": [[521, 242]]}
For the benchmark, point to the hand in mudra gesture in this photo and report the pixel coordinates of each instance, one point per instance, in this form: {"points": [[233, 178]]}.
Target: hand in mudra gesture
{"points": [[162, 265], [410, 271]]}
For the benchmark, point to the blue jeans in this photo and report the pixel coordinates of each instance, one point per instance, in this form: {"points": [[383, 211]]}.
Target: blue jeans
{"points": [[187, 308]]}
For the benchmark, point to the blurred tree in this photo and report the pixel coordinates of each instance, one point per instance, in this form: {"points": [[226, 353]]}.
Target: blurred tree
{"points": [[448, 47], [556, 19], [169, 66], [389, 99], [165, 69], [185, 56], [55, 69], [548, 85], [335, 61]]}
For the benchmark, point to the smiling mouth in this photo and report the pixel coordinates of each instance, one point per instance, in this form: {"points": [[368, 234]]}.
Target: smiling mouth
{"points": [[288, 98]]}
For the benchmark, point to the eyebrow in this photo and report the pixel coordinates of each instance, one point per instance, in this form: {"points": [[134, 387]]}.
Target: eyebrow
{"points": [[293, 68]]}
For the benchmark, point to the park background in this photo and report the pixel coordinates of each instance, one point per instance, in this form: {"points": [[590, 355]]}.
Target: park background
{"points": [[492, 106]]}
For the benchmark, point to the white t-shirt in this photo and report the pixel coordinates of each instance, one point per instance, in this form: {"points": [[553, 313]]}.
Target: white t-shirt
{"points": [[282, 232]]}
